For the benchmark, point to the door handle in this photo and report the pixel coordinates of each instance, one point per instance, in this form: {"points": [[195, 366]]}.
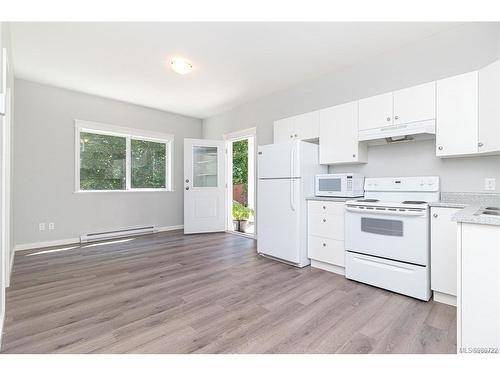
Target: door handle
{"points": [[187, 187]]}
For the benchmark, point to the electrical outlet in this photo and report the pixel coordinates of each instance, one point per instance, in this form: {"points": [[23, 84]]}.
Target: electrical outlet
{"points": [[41, 226], [52, 226], [489, 184]]}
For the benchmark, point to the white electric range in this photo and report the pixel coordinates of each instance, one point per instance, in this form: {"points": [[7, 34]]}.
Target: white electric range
{"points": [[387, 237]]}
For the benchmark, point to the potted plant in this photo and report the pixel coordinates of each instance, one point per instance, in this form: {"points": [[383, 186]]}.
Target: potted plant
{"points": [[241, 214]]}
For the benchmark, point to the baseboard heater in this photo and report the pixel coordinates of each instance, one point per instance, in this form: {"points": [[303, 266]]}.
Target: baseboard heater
{"points": [[100, 236]]}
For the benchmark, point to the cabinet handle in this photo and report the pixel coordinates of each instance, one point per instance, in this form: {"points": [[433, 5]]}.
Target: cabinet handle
{"points": [[295, 135], [440, 147], [187, 181], [291, 135], [187, 187], [324, 244], [353, 155], [324, 207], [324, 220], [435, 215], [397, 117], [480, 144], [388, 119]]}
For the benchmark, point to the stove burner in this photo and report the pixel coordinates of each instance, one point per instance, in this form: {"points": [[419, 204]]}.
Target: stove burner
{"points": [[414, 202], [367, 200]]}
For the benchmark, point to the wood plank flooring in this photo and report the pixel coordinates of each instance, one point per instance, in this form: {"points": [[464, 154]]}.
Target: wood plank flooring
{"points": [[210, 293]]}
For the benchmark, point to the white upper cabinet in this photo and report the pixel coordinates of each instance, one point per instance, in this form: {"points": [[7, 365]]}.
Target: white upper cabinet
{"points": [[338, 135], [376, 111], [489, 108], [417, 103], [457, 115], [300, 127], [307, 125], [283, 130]]}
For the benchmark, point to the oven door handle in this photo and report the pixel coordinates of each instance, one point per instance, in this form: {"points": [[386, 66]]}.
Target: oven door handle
{"points": [[386, 212]]}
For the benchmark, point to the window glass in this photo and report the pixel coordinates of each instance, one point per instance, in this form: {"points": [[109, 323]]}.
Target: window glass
{"points": [[148, 161]]}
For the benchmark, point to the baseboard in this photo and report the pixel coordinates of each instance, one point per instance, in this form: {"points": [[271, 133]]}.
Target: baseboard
{"points": [[38, 245], [71, 241], [328, 267], [445, 298]]}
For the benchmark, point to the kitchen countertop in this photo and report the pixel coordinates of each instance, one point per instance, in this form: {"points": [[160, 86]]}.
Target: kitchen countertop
{"points": [[330, 199], [471, 204]]}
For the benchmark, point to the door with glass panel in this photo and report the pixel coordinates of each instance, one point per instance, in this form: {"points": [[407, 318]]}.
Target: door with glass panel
{"points": [[204, 190]]}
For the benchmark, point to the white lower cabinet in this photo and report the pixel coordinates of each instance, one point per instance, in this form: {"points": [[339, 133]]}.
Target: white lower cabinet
{"points": [[478, 287], [444, 254], [325, 235]]}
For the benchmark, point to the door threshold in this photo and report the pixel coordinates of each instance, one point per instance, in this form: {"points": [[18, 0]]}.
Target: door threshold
{"points": [[247, 235]]}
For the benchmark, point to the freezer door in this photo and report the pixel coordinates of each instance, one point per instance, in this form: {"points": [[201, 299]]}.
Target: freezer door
{"points": [[280, 160], [278, 219]]}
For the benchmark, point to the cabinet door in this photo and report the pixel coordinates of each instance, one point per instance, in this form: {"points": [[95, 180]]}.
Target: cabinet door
{"points": [[443, 250], [489, 108], [306, 126], [376, 111], [417, 103], [326, 250], [338, 135], [457, 115], [283, 130], [479, 301]]}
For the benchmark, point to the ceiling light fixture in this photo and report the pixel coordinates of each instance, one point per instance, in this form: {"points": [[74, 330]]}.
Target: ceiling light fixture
{"points": [[181, 66]]}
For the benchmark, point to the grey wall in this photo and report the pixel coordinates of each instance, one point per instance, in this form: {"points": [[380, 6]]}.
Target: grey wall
{"points": [[44, 154], [458, 50]]}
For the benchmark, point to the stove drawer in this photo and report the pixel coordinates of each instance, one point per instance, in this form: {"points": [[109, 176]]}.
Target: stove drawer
{"points": [[407, 279], [326, 250]]}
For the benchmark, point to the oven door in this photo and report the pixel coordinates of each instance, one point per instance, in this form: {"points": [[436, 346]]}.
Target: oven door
{"points": [[330, 186], [397, 235]]}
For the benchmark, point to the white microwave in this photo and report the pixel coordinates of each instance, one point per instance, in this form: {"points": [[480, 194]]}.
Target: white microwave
{"points": [[348, 185]]}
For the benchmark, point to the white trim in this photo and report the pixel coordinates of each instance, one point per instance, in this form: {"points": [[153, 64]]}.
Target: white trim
{"points": [[76, 240], [128, 134], [2, 321], [328, 267], [445, 298], [229, 138]]}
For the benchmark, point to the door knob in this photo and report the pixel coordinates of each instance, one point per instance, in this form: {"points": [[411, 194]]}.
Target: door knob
{"points": [[187, 181], [324, 244], [435, 215], [291, 135], [324, 207], [388, 119], [440, 147], [480, 144], [187, 187], [324, 220]]}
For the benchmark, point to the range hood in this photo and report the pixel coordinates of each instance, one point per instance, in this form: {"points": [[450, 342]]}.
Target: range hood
{"points": [[414, 131]]}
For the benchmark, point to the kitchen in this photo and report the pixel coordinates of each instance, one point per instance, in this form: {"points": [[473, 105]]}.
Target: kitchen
{"points": [[403, 234]]}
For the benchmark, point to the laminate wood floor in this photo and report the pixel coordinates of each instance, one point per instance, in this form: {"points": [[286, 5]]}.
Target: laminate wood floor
{"points": [[210, 293]]}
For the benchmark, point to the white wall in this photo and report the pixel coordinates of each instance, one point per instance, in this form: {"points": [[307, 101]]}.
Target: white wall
{"points": [[455, 51], [44, 165]]}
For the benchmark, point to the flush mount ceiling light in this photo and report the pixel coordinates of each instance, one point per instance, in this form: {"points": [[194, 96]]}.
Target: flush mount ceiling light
{"points": [[181, 66]]}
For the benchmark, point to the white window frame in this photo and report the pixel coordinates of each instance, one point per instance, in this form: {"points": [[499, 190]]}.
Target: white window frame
{"points": [[128, 134]]}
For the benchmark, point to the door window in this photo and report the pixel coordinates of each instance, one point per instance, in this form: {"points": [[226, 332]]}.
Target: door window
{"points": [[204, 166]]}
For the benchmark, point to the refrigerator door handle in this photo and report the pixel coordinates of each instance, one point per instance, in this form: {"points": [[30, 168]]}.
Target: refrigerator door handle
{"points": [[292, 185]]}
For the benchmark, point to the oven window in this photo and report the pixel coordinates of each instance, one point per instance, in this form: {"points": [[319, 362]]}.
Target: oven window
{"points": [[384, 227], [330, 184]]}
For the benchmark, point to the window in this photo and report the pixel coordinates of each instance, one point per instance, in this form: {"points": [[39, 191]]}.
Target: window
{"points": [[110, 158]]}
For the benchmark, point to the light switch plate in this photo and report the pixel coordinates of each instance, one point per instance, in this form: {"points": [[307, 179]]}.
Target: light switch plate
{"points": [[52, 226], [489, 184], [41, 226]]}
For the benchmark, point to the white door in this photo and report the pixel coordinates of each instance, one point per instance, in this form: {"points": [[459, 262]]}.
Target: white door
{"points": [[279, 218], [338, 140], [444, 250], [489, 108], [376, 111], [457, 115], [417, 103], [306, 125], [283, 130], [280, 160], [204, 190]]}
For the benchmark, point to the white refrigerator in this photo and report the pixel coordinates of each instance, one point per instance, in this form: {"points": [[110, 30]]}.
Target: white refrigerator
{"points": [[286, 174]]}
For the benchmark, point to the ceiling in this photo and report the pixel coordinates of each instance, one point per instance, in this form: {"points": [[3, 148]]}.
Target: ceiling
{"points": [[233, 62]]}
